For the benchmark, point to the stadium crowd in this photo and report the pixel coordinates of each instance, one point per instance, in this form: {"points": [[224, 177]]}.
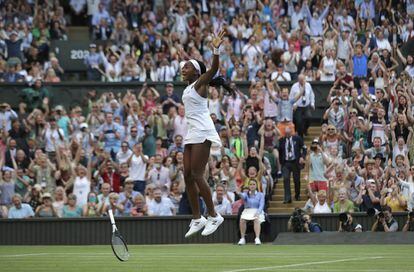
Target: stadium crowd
{"points": [[125, 152]]}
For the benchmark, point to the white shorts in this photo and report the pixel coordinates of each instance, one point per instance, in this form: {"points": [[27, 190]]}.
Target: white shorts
{"points": [[249, 215]]}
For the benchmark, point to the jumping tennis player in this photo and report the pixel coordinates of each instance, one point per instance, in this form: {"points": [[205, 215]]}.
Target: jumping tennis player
{"points": [[201, 136]]}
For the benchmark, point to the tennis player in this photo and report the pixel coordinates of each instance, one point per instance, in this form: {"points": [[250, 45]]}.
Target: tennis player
{"points": [[201, 136]]}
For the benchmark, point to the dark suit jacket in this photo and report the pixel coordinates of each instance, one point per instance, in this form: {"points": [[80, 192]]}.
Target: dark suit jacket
{"points": [[299, 149]]}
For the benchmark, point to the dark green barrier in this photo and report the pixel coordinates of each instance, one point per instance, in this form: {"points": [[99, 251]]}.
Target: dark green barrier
{"points": [[147, 230]]}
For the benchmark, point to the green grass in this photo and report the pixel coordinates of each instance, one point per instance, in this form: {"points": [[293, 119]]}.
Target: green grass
{"points": [[209, 258]]}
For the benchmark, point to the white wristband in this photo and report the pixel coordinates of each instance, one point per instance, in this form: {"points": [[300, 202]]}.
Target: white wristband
{"points": [[216, 51]]}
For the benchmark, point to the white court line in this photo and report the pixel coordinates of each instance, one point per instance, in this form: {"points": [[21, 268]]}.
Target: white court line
{"points": [[23, 255], [302, 264]]}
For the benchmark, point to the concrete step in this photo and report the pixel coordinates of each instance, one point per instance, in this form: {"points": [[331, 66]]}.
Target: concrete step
{"points": [[78, 33], [280, 210]]}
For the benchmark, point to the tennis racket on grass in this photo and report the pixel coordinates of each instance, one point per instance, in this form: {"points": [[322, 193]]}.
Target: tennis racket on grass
{"points": [[118, 244]]}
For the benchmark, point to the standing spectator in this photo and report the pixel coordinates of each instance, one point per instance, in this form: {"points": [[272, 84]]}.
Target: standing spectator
{"points": [[166, 72], [20, 210], [170, 99], [304, 104], [316, 162], [14, 46], [92, 62], [160, 206], [292, 154], [110, 135], [137, 164], [179, 122], [124, 154], [291, 60], [7, 115], [159, 175]]}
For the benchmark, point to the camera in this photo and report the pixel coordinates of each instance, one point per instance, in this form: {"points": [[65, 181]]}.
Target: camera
{"points": [[297, 220], [343, 218], [374, 212]]}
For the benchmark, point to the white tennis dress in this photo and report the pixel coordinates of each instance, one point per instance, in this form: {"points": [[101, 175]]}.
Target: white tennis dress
{"points": [[199, 124]]}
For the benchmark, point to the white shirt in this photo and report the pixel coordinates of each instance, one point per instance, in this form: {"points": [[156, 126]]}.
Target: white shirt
{"points": [[307, 99], [166, 73], [77, 5], [383, 44], [270, 107], [7, 117], [53, 133], [81, 189], [180, 126], [223, 207], [160, 177], [284, 76], [164, 208], [252, 51], [137, 168], [322, 208], [122, 157], [291, 62]]}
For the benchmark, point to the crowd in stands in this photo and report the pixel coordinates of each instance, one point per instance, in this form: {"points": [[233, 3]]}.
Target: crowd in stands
{"points": [[125, 152]]}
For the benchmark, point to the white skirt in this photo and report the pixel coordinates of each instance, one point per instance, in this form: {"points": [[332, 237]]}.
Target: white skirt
{"points": [[249, 215], [200, 136]]}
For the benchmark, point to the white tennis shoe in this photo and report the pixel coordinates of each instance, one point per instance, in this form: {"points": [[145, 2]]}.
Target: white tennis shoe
{"points": [[242, 241], [257, 241], [212, 224], [196, 225]]}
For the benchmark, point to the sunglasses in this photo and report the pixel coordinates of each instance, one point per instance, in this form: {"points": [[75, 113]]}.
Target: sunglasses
{"points": [[124, 146], [331, 129], [352, 113]]}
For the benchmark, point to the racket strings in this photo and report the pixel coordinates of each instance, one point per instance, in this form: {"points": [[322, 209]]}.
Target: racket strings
{"points": [[120, 248]]}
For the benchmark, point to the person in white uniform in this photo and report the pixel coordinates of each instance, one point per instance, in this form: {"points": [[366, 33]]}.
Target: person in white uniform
{"points": [[201, 136]]}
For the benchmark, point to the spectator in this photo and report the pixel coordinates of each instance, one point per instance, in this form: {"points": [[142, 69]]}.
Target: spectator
{"points": [[140, 208], [319, 202], [137, 164], [343, 205], [126, 198], [409, 225], [59, 201], [20, 210], [221, 204], [304, 104], [253, 211], [292, 155], [159, 175], [117, 208], [160, 206], [46, 209], [349, 225], [385, 222], [91, 208], [170, 99], [71, 209]]}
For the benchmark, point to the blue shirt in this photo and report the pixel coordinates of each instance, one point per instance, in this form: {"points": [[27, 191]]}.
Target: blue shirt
{"points": [[129, 204], [255, 201], [110, 140], [360, 65], [24, 212]]}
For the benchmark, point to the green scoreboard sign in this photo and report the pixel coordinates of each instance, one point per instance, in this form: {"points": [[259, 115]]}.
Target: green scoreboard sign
{"points": [[71, 54]]}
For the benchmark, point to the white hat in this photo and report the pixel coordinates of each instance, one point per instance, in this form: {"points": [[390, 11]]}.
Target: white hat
{"points": [[83, 125]]}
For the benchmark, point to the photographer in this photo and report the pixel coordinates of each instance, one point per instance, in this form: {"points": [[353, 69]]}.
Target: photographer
{"points": [[409, 225], [301, 222], [385, 222], [347, 224]]}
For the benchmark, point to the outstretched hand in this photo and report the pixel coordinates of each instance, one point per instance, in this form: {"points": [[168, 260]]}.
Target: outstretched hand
{"points": [[218, 40]]}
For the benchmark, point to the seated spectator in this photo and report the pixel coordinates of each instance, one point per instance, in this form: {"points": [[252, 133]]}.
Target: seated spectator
{"points": [[33, 196], [114, 204], [160, 206], [343, 205], [46, 209], [91, 208], [71, 209], [319, 201], [253, 211], [369, 196], [126, 198], [140, 208], [392, 198], [59, 200], [385, 221], [222, 205], [20, 210], [409, 225]]}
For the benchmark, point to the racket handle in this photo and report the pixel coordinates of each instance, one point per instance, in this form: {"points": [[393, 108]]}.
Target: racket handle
{"points": [[111, 216]]}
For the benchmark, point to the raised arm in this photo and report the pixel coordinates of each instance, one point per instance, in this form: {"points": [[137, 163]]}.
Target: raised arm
{"points": [[205, 78]]}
